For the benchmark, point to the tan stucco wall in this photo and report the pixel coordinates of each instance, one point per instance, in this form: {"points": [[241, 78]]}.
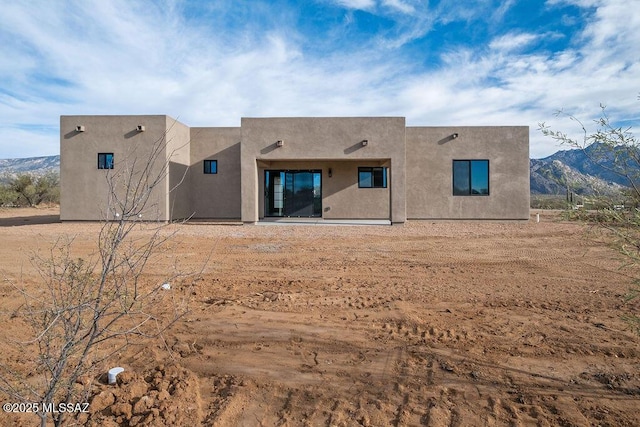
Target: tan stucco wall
{"points": [[327, 140], [430, 155], [215, 195], [178, 151], [343, 199], [419, 159], [83, 187]]}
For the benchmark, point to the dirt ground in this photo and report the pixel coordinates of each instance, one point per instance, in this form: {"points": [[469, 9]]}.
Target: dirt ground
{"points": [[432, 323]]}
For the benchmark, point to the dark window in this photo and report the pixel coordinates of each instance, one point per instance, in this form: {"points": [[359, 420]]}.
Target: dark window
{"points": [[372, 177], [471, 177], [105, 160], [210, 166]]}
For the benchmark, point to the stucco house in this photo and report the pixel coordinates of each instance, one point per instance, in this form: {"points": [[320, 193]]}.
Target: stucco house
{"points": [[322, 167]]}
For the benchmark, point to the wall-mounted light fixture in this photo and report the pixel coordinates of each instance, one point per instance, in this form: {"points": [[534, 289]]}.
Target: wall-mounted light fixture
{"points": [[454, 136], [279, 143], [80, 128], [330, 172], [364, 142], [140, 128]]}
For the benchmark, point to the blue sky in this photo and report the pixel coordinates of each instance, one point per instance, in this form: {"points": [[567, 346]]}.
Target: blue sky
{"points": [[208, 63]]}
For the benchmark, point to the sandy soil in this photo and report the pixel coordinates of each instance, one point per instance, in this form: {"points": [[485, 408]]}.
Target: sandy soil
{"points": [[434, 324]]}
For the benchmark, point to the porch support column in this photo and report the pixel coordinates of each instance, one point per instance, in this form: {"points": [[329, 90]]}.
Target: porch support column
{"points": [[398, 185], [249, 187]]}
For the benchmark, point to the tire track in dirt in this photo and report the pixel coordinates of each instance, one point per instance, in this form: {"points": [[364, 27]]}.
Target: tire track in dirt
{"points": [[431, 324]]}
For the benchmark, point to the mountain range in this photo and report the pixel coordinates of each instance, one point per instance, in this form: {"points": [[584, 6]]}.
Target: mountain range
{"points": [[33, 165], [576, 169], [550, 175]]}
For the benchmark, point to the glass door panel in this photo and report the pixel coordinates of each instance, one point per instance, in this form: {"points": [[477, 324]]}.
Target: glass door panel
{"points": [[274, 193], [295, 193], [300, 200], [317, 193]]}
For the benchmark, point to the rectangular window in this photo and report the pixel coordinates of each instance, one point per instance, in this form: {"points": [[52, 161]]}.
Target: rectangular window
{"points": [[105, 160], [471, 177], [372, 177], [210, 166]]}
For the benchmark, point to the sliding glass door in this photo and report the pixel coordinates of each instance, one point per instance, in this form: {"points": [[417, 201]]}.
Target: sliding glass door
{"points": [[295, 193], [274, 193]]}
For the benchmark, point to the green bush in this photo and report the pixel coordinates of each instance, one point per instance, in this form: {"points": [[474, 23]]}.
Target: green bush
{"points": [[31, 190], [546, 201], [8, 197]]}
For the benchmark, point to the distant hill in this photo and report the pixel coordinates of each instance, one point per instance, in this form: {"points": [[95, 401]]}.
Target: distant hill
{"points": [[580, 161], [551, 174], [34, 165]]}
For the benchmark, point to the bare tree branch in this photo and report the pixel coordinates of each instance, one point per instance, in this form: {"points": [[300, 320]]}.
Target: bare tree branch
{"points": [[85, 304], [616, 150]]}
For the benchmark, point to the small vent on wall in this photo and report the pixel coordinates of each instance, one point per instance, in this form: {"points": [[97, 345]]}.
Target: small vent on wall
{"points": [[140, 128], [80, 128]]}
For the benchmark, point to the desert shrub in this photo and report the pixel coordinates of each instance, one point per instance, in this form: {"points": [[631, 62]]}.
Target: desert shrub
{"points": [[544, 201], [8, 197], [617, 151], [48, 187], [31, 190]]}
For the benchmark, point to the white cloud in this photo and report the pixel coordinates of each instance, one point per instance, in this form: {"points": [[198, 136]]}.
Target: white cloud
{"points": [[501, 11], [579, 3], [357, 4], [510, 42], [505, 86], [124, 57], [615, 27], [400, 6], [31, 143]]}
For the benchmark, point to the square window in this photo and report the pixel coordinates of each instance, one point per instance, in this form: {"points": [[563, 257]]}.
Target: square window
{"points": [[211, 166], [471, 177], [372, 177], [105, 160]]}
